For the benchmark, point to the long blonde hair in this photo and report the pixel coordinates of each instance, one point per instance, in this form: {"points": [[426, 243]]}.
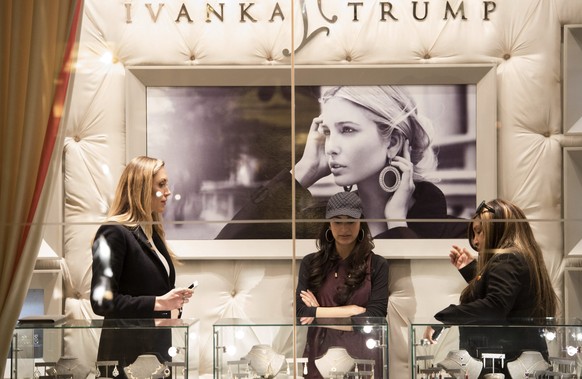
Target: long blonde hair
{"points": [[512, 234], [132, 205]]}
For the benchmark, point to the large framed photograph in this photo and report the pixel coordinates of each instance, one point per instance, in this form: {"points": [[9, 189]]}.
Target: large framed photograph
{"points": [[236, 141]]}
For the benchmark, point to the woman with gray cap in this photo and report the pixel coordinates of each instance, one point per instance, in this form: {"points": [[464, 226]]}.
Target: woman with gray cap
{"points": [[344, 278]]}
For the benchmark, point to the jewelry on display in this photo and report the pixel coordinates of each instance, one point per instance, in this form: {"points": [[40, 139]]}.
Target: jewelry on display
{"points": [[564, 365], [459, 364], [389, 178], [494, 375], [327, 236], [361, 235], [265, 361], [51, 371], [493, 357], [145, 366], [526, 365], [48, 370], [296, 363], [173, 367], [103, 364], [68, 366], [335, 360]]}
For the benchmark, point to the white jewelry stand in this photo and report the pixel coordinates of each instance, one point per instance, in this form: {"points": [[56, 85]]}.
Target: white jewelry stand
{"points": [[459, 363], [265, 361], [336, 360], [297, 373], [527, 364], [146, 366]]}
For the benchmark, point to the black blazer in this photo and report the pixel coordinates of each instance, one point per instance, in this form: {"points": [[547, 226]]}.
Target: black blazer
{"points": [[503, 296], [135, 276]]}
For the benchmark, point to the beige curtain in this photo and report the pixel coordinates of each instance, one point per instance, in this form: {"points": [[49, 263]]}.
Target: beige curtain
{"points": [[36, 44]]}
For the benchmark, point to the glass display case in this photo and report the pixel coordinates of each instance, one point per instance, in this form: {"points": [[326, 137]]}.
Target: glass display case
{"points": [[340, 348], [524, 348], [50, 348]]}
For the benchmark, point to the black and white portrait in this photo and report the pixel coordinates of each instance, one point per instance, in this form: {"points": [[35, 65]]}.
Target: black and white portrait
{"points": [[409, 152]]}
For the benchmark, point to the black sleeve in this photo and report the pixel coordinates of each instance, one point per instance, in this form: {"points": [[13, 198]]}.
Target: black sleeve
{"points": [[503, 282], [469, 271], [378, 304], [303, 310], [111, 252]]}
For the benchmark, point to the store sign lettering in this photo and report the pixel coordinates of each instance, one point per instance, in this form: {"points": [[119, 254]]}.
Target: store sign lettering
{"points": [[387, 12]]}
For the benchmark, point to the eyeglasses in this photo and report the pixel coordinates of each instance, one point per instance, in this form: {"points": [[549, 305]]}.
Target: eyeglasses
{"points": [[483, 207]]}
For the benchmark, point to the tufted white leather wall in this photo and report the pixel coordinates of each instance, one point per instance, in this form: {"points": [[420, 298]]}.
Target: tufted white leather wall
{"points": [[523, 37]]}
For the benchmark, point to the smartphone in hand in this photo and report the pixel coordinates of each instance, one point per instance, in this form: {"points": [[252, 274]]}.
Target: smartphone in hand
{"points": [[193, 285]]}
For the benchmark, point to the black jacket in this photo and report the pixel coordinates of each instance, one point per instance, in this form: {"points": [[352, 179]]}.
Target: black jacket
{"points": [[504, 299], [134, 275]]}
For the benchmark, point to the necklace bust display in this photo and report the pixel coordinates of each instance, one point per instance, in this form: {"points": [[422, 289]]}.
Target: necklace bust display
{"points": [[458, 364], [265, 361], [146, 366], [335, 360], [527, 364]]}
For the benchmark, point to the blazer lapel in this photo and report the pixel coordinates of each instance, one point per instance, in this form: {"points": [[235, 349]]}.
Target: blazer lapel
{"points": [[143, 241]]}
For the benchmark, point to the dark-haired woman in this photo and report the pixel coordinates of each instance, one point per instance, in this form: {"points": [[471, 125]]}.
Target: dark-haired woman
{"points": [[343, 279]]}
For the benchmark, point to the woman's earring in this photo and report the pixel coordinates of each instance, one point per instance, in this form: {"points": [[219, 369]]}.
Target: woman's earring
{"points": [[348, 188], [327, 237], [389, 178], [115, 372], [361, 235]]}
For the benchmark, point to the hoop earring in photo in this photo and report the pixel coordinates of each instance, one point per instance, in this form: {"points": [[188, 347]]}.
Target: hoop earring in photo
{"points": [[389, 178], [361, 235], [327, 233]]}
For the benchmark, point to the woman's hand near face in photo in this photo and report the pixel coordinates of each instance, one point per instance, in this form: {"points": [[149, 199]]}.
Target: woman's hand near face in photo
{"points": [[400, 202], [313, 164]]}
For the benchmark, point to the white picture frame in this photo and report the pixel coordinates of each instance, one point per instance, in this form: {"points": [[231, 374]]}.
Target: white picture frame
{"points": [[482, 76]]}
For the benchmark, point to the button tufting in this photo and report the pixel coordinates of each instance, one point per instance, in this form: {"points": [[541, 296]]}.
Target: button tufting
{"points": [[233, 293], [546, 134], [427, 56], [192, 57], [77, 138], [348, 58], [506, 56], [78, 295]]}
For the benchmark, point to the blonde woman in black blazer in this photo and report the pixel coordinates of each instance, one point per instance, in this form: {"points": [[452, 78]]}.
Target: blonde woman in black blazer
{"points": [[134, 270], [508, 283]]}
